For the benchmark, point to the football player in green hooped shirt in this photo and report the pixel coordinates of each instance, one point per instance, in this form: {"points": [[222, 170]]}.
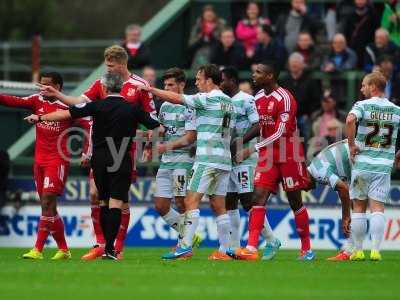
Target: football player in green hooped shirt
{"points": [[372, 150]]}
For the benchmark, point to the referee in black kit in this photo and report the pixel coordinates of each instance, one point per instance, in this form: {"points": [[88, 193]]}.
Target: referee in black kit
{"points": [[114, 125]]}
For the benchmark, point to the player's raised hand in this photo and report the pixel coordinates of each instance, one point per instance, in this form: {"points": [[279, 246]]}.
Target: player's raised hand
{"points": [[47, 90], [32, 119], [144, 87]]}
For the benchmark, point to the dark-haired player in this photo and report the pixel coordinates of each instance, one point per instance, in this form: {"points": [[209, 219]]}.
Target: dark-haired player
{"points": [[51, 164], [116, 61], [281, 160], [241, 183]]}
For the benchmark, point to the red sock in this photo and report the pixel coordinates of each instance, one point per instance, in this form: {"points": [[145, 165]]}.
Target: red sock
{"points": [[98, 232], [123, 229], [58, 233], [44, 227], [303, 227], [256, 224]]}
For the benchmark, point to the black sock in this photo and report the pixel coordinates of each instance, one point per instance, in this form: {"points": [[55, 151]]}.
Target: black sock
{"points": [[104, 210], [113, 224]]}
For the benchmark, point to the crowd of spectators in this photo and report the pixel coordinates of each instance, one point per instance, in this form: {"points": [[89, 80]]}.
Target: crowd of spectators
{"points": [[352, 35]]}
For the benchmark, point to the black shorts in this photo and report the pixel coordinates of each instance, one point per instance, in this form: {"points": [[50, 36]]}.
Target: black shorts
{"points": [[111, 183]]}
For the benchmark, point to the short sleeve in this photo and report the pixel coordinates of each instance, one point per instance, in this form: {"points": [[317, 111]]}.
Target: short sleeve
{"points": [[95, 92], [147, 101], [333, 179], [195, 101], [190, 119], [251, 111], [82, 110], [357, 110]]}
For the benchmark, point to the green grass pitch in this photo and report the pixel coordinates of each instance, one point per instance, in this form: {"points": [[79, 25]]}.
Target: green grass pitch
{"points": [[142, 275]]}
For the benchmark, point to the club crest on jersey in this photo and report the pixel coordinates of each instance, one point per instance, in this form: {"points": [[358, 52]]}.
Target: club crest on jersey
{"points": [[284, 117], [131, 92]]}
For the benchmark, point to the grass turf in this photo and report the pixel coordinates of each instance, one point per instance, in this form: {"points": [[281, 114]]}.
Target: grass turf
{"points": [[142, 275]]}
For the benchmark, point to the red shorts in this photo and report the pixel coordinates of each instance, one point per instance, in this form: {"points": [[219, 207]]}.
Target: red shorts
{"points": [[293, 175], [50, 178]]}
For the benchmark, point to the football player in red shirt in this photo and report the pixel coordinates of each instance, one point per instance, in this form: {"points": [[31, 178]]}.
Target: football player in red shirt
{"points": [[51, 164], [281, 159], [116, 61]]}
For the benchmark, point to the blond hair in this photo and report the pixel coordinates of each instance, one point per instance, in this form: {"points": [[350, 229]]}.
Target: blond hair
{"points": [[376, 78], [117, 54]]}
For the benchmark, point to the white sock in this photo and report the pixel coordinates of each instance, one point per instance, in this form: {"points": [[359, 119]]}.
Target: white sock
{"points": [[348, 245], [358, 229], [224, 232], [377, 224], [190, 226], [172, 218], [234, 217], [267, 232], [181, 228]]}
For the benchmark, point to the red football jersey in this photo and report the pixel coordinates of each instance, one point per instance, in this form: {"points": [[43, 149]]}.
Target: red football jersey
{"points": [[279, 137], [51, 137], [129, 91]]}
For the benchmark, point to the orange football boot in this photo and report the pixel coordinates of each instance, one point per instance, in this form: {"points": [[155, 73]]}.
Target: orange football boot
{"points": [[341, 256], [246, 254], [217, 255], [93, 253]]}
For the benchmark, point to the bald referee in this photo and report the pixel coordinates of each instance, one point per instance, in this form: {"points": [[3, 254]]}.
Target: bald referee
{"points": [[114, 125]]}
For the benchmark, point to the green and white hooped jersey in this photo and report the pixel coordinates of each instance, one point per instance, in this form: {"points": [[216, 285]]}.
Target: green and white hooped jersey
{"points": [[176, 119], [333, 163], [378, 122], [215, 117], [246, 117]]}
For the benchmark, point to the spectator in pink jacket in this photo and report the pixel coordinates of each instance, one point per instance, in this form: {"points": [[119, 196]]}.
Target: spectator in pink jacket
{"points": [[246, 29]]}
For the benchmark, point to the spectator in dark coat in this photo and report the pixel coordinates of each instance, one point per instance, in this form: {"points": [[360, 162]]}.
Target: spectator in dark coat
{"points": [[203, 36], [289, 25], [359, 28], [138, 52], [305, 89], [228, 52], [268, 48], [392, 90], [382, 46], [311, 54]]}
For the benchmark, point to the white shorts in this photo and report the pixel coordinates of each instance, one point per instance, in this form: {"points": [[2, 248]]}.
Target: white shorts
{"points": [[241, 180], [171, 183], [208, 180], [367, 185]]}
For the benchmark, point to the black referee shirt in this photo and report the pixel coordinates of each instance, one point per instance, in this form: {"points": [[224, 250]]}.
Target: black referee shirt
{"points": [[113, 117]]}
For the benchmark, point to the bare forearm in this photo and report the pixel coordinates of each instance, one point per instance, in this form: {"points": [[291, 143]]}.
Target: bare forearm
{"points": [[344, 197], [351, 129], [183, 141], [56, 116], [70, 100], [253, 132], [167, 95]]}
